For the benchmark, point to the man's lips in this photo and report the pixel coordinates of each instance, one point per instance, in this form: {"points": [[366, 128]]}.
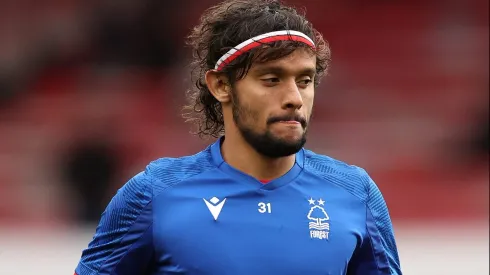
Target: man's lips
{"points": [[292, 122]]}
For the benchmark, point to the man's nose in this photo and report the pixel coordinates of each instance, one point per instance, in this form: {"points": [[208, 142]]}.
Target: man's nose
{"points": [[292, 96]]}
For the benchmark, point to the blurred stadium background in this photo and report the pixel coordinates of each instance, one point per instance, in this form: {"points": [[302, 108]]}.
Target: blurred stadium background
{"points": [[91, 91]]}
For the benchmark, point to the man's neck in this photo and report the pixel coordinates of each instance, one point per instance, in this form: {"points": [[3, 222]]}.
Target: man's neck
{"points": [[240, 155]]}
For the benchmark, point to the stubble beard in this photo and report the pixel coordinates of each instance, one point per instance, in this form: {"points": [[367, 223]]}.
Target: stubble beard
{"points": [[265, 143]]}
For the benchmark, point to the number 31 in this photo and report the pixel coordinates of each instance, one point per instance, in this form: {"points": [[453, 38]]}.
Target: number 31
{"points": [[265, 207]]}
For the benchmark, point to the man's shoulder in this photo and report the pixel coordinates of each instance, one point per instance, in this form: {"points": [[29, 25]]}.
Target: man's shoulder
{"points": [[350, 177], [324, 164], [168, 171]]}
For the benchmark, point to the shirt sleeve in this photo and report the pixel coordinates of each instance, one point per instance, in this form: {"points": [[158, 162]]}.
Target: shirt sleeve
{"points": [[123, 241], [378, 253]]}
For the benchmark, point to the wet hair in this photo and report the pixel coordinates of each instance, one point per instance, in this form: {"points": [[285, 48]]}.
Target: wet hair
{"points": [[225, 26]]}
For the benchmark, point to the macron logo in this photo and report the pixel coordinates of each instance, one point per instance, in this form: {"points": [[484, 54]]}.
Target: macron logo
{"points": [[215, 206]]}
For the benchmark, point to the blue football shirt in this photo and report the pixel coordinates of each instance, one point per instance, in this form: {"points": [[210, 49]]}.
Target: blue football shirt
{"points": [[197, 215]]}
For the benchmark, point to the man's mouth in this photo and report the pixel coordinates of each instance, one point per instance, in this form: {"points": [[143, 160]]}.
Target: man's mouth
{"points": [[289, 120], [292, 122]]}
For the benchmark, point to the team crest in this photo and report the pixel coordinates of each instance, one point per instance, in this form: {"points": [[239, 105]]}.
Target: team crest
{"points": [[318, 225]]}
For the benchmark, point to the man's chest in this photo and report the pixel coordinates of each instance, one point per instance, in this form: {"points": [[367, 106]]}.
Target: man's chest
{"points": [[257, 232]]}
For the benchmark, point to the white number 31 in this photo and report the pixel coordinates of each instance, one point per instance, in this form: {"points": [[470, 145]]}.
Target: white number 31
{"points": [[265, 207]]}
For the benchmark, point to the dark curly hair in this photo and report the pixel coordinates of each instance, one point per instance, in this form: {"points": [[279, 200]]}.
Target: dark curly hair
{"points": [[226, 25]]}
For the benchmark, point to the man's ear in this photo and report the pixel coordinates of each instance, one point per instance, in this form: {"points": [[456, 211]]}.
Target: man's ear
{"points": [[218, 85]]}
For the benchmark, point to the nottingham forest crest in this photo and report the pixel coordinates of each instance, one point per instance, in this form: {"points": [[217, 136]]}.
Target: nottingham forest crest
{"points": [[318, 225]]}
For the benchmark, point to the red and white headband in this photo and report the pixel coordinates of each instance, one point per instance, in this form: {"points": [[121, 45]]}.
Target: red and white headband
{"points": [[260, 40]]}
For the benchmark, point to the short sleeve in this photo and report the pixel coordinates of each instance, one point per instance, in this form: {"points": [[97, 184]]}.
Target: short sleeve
{"points": [[123, 241], [378, 254]]}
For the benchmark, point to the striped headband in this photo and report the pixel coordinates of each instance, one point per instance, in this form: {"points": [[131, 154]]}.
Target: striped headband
{"points": [[260, 40]]}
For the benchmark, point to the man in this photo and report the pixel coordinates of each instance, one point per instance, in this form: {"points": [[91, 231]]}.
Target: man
{"points": [[254, 202]]}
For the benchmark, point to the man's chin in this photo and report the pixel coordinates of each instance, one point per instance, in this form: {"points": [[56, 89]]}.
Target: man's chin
{"points": [[289, 139], [281, 147], [275, 145]]}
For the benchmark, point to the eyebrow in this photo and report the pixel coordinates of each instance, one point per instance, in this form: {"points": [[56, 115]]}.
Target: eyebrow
{"points": [[280, 70]]}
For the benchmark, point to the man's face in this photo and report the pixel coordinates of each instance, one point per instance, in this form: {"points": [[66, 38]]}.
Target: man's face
{"points": [[272, 105]]}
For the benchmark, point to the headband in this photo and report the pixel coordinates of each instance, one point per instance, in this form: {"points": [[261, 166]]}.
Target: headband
{"points": [[260, 40]]}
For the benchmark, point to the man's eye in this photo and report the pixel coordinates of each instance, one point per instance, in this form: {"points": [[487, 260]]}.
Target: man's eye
{"points": [[305, 82], [271, 80]]}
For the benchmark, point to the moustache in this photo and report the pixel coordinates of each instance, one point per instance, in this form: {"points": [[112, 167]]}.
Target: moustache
{"points": [[297, 118]]}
